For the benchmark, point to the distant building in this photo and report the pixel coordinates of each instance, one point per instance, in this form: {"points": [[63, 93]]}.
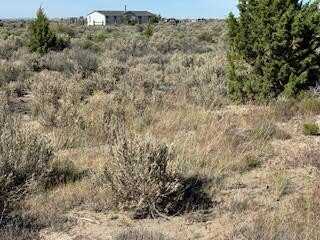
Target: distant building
{"points": [[103, 18]]}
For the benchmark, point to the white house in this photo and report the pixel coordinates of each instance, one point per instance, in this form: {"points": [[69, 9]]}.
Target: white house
{"points": [[103, 18]]}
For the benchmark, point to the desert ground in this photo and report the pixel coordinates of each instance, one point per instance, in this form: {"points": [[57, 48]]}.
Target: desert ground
{"points": [[132, 135]]}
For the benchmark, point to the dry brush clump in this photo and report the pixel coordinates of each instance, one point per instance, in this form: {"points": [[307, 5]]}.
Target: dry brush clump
{"points": [[9, 46], [140, 179], [12, 73], [56, 99], [75, 61], [24, 162]]}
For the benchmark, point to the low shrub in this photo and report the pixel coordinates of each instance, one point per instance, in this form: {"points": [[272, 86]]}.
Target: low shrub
{"points": [[16, 89], [286, 109], [85, 61], [62, 41], [311, 129], [206, 37], [8, 47], [85, 44], [62, 171], [56, 61], [62, 28], [102, 118], [24, 161], [100, 36], [148, 32], [57, 100], [140, 180], [10, 73], [139, 28], [47, 88]]}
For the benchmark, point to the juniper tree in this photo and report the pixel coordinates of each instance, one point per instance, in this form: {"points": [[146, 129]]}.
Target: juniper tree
{"points": [[42, 39], [274, 48]]}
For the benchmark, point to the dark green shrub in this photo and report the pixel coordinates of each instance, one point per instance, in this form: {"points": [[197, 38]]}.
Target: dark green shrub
{"points": [[155, 19], [274, 49], [42, 39], [311, 129], [62, 42], [100, 36], [149, 31]]}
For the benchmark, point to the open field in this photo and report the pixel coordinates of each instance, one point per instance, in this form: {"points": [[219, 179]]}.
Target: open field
{"points": [[130, 132]]}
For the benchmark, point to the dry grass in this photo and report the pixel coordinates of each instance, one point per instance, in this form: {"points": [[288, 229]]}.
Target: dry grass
{"points": [[296, 220], [139, 235], [169, 87]]}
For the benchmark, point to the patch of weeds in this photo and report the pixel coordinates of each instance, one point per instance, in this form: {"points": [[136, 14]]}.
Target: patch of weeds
{"points": [[63, 172], [311, 129], [246, 163], [310, 105], [282, 184], [199, 216], [267, 130], [252, 162], [284, 110], [239, 204]]}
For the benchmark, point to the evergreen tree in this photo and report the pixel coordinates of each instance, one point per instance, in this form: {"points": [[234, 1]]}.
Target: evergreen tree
{"points": [[274, 48], [42, 39]]}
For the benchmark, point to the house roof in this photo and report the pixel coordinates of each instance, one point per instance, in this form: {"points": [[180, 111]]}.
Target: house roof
{"points": [[120, 13]]}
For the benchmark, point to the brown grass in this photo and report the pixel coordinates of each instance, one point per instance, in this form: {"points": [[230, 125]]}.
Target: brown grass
{"points": [[191, 145]]}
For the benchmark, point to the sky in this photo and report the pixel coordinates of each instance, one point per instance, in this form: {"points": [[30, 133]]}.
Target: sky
{"points": [[166, 8]]}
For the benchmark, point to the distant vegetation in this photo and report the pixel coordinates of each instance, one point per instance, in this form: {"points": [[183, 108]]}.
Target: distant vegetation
{"points": [[147, 121]]}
